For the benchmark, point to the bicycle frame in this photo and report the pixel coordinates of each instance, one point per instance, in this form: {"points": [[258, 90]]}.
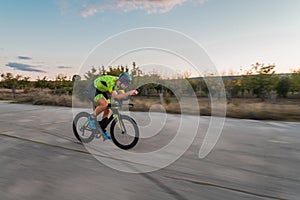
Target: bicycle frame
{"points": [[117, 116], [114, 116]]}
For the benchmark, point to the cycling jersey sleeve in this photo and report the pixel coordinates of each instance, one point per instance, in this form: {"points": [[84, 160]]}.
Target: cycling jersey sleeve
{"points": [[105, 83]]}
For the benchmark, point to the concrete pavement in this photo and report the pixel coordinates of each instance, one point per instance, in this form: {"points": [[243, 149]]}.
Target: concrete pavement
{"points": [[41, 159]]}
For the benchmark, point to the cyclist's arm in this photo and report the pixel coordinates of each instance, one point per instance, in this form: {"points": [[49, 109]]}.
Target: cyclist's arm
{"points": [[114, 94]]}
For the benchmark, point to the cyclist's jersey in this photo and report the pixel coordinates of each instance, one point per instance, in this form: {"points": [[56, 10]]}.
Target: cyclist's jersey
{"points": [[105, 83]]}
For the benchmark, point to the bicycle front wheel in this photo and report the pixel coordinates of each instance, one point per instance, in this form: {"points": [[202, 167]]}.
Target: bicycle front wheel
{"points": [[81, 128], [124, 132]]}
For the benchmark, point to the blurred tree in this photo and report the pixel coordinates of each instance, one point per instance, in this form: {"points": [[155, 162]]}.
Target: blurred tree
{"points": [[232, 86], [194, 84], [215, 87], [136, 71], [283, 87], [102, 70], [202, 87], [295, 81], [61, 85], [259, 79], [184, 75], [91, 74], [116, 71], [11, 81], [24, 82], [41, 83]]}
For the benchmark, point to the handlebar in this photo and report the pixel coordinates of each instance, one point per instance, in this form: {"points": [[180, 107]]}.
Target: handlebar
{"points": [[120, 104], [117, 105]]}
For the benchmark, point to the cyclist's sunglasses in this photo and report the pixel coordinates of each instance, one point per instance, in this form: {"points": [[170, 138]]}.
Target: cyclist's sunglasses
{"points": [[126, 83]]}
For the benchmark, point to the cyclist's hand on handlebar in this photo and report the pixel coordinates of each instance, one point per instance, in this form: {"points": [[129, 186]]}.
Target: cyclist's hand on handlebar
{"points": [[132, 92]]}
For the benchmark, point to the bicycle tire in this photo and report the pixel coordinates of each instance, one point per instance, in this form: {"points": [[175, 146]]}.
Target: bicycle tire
{"points": [[114, 134], [75, 131]]}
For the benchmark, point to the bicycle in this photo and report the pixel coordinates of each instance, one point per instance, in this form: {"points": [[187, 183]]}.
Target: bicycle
{"points": [[124, 130]]}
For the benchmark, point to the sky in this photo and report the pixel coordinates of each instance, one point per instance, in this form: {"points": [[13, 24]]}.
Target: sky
{"points": [[50, 37]]}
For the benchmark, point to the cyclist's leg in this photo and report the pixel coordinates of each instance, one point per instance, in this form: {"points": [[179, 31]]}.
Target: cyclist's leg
{"points": [[101, 104], [106, 113], [104, 122], [107, 110]]}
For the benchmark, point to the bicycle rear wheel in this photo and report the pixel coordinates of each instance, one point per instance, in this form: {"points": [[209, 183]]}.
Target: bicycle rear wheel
{"points": [[81, 128], [124, 139]]}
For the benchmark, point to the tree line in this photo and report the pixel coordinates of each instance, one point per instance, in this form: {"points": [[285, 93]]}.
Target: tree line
{"points": [[260, 81]]}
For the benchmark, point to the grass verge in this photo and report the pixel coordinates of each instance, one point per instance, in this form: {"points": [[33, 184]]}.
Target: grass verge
{"points": [[244, 108]]}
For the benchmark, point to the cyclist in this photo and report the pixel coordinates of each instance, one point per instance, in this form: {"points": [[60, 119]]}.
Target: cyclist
{"points": [[104, 87]]}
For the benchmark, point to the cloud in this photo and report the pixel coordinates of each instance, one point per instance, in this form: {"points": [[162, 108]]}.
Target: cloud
{"points": [[150, 6], [63, 67], [23, 67], [24, 58]]}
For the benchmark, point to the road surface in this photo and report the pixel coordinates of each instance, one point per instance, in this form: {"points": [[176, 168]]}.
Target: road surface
{"points": [[41, 159]]}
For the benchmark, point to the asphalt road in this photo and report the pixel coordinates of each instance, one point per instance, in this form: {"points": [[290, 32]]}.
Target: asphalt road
{"points": [[41, 159]]}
